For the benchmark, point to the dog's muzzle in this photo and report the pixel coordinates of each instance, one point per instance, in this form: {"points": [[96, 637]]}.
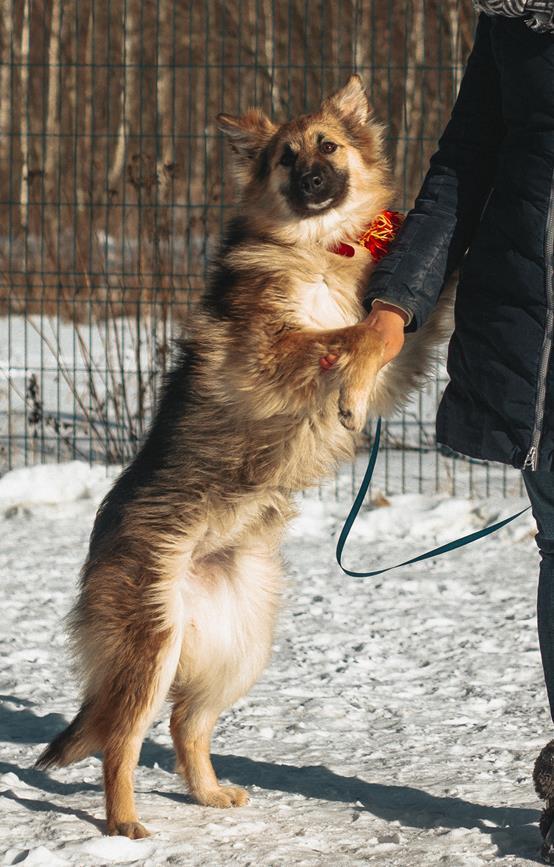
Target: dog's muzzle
{"points": [[316, 188]]}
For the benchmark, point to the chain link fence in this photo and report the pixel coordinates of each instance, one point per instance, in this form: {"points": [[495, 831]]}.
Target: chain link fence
{"points": [[114, 186]]}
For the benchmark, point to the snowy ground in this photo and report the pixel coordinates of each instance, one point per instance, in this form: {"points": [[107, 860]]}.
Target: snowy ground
{"points": [[396, 725]]}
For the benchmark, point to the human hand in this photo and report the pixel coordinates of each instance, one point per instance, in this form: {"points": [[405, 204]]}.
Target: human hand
{"points": [[388, 321]]}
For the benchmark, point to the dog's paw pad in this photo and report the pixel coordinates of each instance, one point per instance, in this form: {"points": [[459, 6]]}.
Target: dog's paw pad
{"points": [[328, 361], [132, 830]]}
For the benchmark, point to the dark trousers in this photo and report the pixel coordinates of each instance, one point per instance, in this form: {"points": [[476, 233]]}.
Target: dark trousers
{"points": [[540, 487]]}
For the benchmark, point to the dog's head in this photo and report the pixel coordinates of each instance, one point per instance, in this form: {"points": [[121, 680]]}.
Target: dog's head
{"points": [[315, 171]]}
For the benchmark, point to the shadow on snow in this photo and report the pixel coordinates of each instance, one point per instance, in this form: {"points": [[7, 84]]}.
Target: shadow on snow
{"points": [[412, 807]]}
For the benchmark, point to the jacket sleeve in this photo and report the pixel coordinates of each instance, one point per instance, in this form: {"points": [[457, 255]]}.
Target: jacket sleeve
{"points": [[438, 230]]}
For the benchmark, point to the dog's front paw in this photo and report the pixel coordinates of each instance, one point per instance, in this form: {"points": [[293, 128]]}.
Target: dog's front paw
{"points": [[352, 410]]}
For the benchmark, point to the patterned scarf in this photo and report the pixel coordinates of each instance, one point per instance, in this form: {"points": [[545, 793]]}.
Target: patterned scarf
{"points": [[538, 14]]}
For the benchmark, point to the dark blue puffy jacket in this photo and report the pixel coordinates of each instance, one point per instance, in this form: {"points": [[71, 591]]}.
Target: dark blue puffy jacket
{"points": [[490, 192]]}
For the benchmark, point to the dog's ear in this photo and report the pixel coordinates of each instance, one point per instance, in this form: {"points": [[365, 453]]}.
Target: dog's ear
{"points": [[350, 102], [247, 134]]}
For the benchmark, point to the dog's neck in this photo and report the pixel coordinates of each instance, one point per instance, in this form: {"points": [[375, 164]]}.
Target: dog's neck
{"points": [[336, 225]]}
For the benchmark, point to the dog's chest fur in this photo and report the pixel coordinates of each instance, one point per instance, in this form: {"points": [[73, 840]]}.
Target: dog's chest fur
{"points": [[327, 295]]}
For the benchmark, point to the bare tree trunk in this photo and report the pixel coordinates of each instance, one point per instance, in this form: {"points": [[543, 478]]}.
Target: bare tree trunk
{"points": [[6, 95], [84, 186], [165, 123], [128, 93], [454, 29], [73, 116], [405, 152], [360, 47], [269, 44], [51, 163], [165, 89], [24, 126]]}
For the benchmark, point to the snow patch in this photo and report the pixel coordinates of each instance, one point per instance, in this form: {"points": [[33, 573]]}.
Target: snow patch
{"points": [[53, 484], [117, 849]]}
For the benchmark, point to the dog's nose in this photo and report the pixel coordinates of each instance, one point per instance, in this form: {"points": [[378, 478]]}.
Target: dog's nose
{"points": [[313, 182]]}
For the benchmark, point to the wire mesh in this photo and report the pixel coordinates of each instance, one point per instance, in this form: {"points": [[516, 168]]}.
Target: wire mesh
{"points": [[114, 187]]}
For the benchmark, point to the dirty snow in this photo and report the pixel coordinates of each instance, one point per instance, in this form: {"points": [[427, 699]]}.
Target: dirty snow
{"points": [[396, 724]]}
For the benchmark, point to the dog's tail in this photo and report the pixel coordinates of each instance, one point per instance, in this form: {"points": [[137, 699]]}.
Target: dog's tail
{"points": [[76, 742]]}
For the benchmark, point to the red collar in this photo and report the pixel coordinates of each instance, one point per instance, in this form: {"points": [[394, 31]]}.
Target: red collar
{"points": [[376, 238]]}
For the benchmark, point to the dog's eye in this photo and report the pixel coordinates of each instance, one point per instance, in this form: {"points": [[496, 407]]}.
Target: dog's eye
{"points": [[328, 147], [288, 157]]}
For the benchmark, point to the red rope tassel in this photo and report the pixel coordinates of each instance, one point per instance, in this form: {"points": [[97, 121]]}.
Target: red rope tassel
{"points": [[376, 238], [381, 232]]}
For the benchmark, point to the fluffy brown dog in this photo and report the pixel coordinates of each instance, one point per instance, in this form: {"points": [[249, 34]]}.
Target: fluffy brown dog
{"points": [[182, 581]]}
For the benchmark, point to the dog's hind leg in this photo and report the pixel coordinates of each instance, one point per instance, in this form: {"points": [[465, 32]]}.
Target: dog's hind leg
{"points": [[192, 737], [120, 760], [130, 708], [224, 651], [131, 696]]}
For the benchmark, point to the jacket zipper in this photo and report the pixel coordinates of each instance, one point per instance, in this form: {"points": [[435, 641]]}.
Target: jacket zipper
{"points": [[530, 462]]}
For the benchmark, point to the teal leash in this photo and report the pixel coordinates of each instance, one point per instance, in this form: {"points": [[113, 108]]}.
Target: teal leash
{"points": [[442, 549]]}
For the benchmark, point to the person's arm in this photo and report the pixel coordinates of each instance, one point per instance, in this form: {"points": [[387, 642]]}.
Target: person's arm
{"points": [[437, 232]]}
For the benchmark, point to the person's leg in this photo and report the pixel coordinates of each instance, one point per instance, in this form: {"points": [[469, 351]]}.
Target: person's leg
{"points": [[540, 487]]}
